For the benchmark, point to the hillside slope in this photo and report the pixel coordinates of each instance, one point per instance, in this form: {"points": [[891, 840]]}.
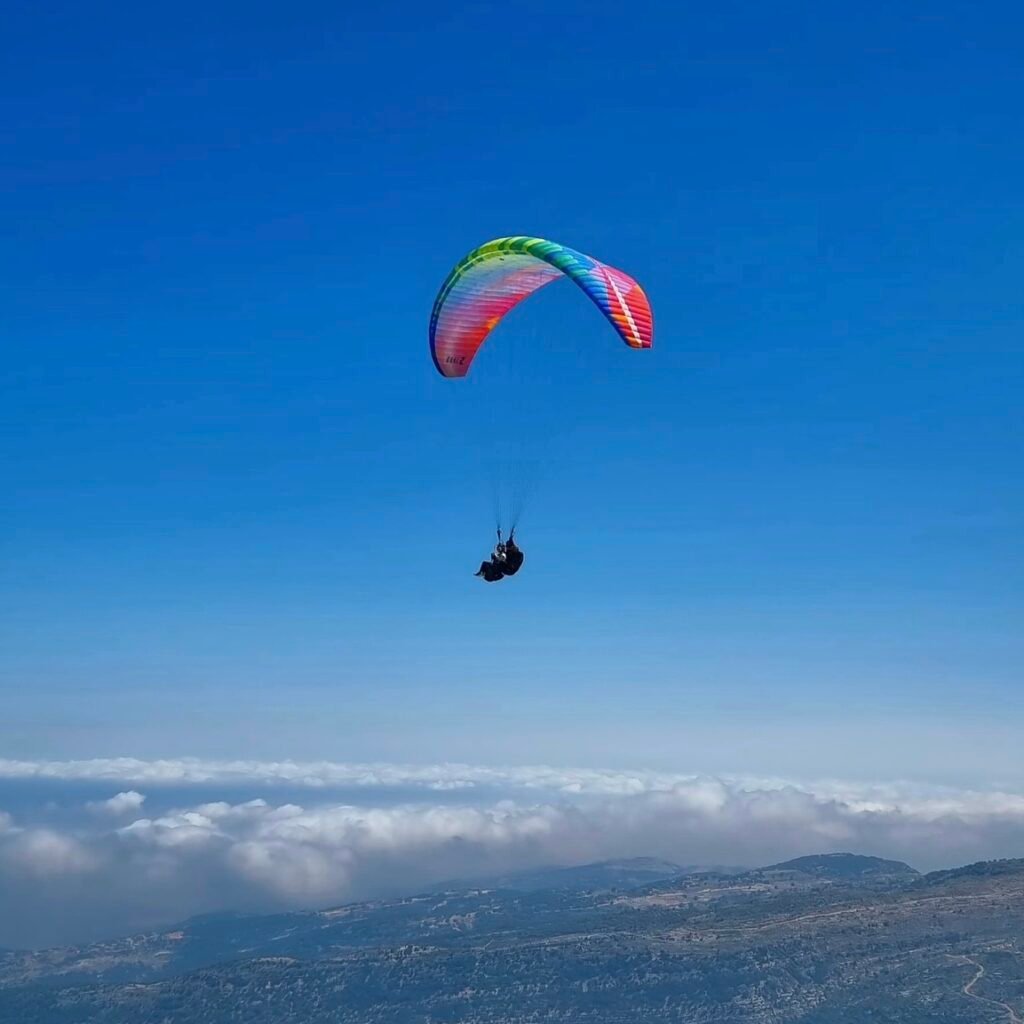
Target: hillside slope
{"points": [[789, 948]]}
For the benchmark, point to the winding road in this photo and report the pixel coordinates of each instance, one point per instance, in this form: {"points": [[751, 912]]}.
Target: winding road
{"points": [[968, 990]]}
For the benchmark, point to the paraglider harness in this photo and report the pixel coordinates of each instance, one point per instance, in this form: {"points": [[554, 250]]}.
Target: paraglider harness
{"points": [[506, 560]]}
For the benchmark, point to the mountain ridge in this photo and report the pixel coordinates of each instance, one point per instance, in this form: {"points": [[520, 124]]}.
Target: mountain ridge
{"points": [[844, 865], [626, 872], [770, 946]]}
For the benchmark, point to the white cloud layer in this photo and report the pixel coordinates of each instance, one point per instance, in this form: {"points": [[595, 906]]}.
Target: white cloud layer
{"points": [[115, 869]]}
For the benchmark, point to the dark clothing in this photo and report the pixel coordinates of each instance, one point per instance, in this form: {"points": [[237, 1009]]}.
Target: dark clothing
{"points": [[491, 571], [513, 559]]}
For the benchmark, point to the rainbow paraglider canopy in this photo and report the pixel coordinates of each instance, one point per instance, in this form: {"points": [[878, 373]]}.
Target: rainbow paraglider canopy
{"points": [[494, 278]]}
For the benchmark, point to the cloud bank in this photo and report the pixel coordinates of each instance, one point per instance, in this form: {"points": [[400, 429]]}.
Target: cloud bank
{"points": [[79, 870]]}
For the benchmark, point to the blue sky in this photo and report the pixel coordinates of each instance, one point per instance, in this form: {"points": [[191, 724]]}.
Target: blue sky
{"points": [[240, 509]]}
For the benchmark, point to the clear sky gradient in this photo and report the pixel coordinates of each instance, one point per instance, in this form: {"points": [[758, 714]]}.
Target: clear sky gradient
{"points": [[240, 509]]}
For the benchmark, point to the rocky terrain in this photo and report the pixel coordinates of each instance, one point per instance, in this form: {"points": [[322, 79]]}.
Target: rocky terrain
{"points": [[817, 940]]}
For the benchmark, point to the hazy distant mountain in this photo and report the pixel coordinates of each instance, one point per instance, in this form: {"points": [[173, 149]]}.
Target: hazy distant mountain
{"points": [[980, 868], [845, 866], [836, 939], [602, 875]]}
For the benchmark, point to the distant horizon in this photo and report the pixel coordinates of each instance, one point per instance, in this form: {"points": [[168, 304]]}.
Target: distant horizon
{"points": [[106, 847], [488, 882]]}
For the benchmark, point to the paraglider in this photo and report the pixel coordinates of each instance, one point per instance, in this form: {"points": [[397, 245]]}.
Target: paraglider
{"points": [[489, 282], [506, 560]]}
